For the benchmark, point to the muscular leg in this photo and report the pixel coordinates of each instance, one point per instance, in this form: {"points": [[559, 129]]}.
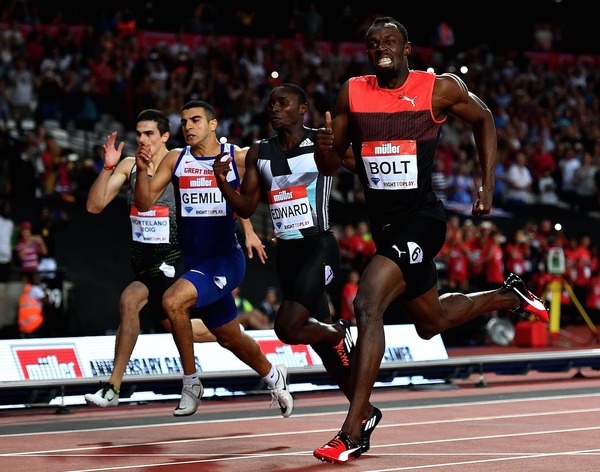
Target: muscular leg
{"points": [[177, 300], [200, 332], [132, 300], [245, 347], [294, 325], [432, 315], [380, 283]]}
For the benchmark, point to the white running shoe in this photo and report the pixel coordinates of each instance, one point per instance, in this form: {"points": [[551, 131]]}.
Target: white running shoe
{"points": [[106, 396], [190, 400], [280, 393]]}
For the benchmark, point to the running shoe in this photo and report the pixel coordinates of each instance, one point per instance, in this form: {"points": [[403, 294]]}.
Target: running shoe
{"points": [[108, 395], [191, 396], [367, 428], [280, 394], [530, 304], [339, 450], [345, 347]]}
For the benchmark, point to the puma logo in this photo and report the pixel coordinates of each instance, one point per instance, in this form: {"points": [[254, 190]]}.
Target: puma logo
{"points": [[411, 100], [399, 251]]}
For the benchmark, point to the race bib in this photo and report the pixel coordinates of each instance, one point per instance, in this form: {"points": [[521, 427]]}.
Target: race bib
{"points": [[200, 196], [290, 209], [150, 227], [391, 165]]}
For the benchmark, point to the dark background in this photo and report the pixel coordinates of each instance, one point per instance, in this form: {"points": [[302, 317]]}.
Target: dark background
{"points": [[506, 24]]}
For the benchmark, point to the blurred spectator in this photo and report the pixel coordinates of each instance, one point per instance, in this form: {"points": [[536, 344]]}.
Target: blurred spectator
{"points": [[493, 259], [50, 97], [541, 160], [517, 255], [126, 24], [21, 88], [439, 181], [5, 114], [347, 296], [500, 174], [312, 24], [567, 165], [47, 225], [461, 186], [203, 19], [547, 189], [269, 305], [592, 300], [86, 176], [7, 232], [581, 268], [368, 249], [248, 316], [584, 180], [456, 256], [243, 304], [519, 182], [351, 246], [30, 315], [50, 155], [30, 248]]}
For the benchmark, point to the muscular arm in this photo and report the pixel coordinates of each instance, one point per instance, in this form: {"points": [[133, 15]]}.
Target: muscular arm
{"points": [[147, 190], [242, 203], [451, 96], [332, 142], [108, 183], [245, 201]]}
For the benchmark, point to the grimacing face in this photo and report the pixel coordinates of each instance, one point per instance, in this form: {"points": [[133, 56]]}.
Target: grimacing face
{"points": [[385, 47]]}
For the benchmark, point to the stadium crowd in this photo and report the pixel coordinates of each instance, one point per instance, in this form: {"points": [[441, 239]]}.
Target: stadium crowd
{"points": [[62, 77]]}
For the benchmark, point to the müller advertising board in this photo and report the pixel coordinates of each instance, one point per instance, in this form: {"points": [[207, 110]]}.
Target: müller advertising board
{"points": [[38, 361]]}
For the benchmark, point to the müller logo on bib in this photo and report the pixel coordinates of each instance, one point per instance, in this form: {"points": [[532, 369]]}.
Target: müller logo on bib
{"points": [[47, 363]]}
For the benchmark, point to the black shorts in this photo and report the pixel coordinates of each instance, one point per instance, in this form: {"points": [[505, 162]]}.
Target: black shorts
{"points": [[413, 246], [157, 285], [305, 268]]}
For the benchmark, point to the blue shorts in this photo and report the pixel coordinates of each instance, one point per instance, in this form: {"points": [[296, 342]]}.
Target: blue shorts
{"points": [[214, 279]]}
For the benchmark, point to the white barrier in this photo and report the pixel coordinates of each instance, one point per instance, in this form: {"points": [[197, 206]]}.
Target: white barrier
{"points": [[43, 363]]}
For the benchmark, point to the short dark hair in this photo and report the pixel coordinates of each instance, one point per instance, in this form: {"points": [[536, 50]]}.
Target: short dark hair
{"points": [[389, 19], [162, 121], [208, 108], [299, 91]]}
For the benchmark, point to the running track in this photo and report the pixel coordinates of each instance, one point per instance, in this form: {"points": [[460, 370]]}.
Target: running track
{"points": [[535, 422]]}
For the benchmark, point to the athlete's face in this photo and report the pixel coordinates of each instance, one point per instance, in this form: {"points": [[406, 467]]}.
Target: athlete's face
{"points": [[146, 132], [284, 109], [386, 48], [196, 126]]}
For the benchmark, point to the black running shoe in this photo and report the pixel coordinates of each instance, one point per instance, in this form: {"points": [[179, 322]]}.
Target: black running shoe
{"points": [[367, 427], [345, 347], [530, 304], [339, 450]]}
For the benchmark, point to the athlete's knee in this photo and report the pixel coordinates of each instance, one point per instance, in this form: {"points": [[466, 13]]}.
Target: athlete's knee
{"points": [[367, 310], [286, 334], [128, 310], [170, 305]]}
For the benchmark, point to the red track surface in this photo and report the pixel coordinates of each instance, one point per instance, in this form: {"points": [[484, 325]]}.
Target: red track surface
{"points": [[535, 422]]}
